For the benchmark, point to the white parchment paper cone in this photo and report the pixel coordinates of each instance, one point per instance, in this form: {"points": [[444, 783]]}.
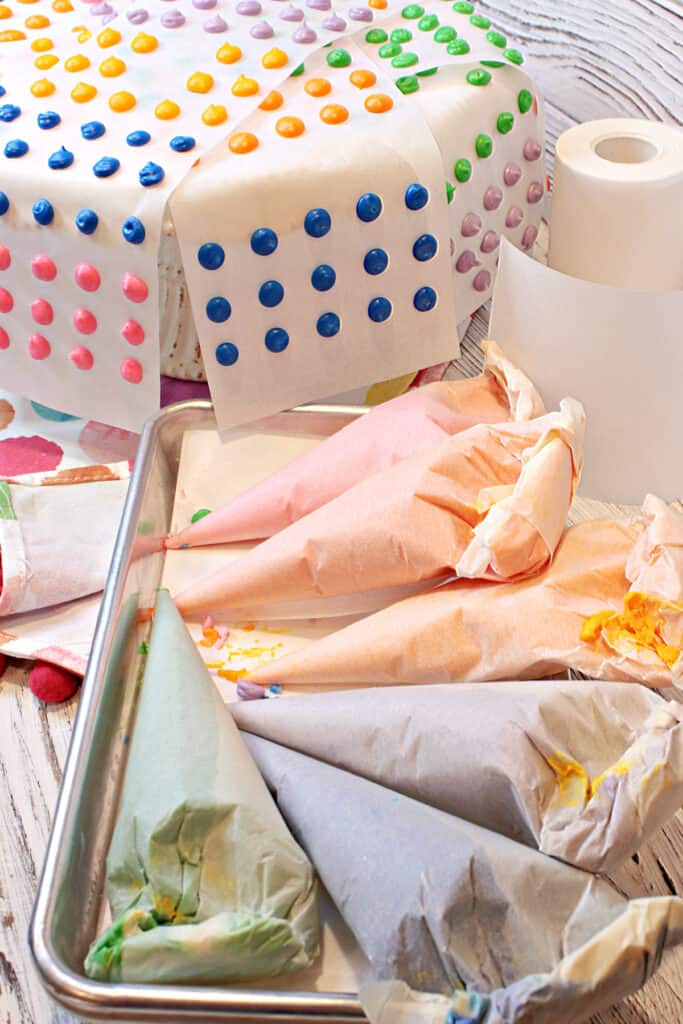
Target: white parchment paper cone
{"points": [[433, 900]]}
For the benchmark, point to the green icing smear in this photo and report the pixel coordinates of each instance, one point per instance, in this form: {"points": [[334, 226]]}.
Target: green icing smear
{"points": [[407, 84], [483, 145], [445, 34], [428, 23], [6, 508], [505, 122], [450, 192], [427, 73], [401, 35], [200, 514], [492, 63], [405, 60], [458, 47], [477, 76], [297, 71], [525, 101], [376, 35]]}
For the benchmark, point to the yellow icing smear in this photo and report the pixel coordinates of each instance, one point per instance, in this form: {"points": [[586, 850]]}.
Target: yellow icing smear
{"points": [[575, 786], [641, 625]]}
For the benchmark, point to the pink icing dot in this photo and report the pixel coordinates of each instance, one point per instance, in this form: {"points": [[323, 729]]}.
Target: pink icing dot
{"points": [[514, 217], [511, 174], [134, 288], [81, 357], [481, 281], [465, 261], [42, 312], [43, 268], [85, 322], [532, 150], [38, 347], [493, 197], [529, 237], [133, 332], [535, 192], [471, 225], [5, 258], [87, 277], [4, 338], [28, 455], [131, 371], [490, 242], [6, 301]]}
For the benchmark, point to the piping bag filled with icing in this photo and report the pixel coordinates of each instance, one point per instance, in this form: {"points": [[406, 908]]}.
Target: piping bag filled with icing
{"points": [[388, 434], [205, 882], [490, 502]]}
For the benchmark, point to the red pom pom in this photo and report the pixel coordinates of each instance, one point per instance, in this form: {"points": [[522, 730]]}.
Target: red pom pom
{"points": [[3, 663], [52, 684]]}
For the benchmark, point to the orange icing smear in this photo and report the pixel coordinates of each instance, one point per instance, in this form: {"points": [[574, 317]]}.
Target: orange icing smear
{"points": [[646, 623]]}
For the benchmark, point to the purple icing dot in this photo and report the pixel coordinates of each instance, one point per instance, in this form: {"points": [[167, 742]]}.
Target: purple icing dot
{"points": [[204, 5], [534, 193], [532, 150], [514, 218], [334, 23], [529, 237], [465, 261], [471, 225], [249, 7], [292, 13], [319, 5], [493, 197], [512, 174], [360, 14], [102, 8], [490, 242], [304, 34], [261, 31], [215, 24], [173, 19], [137, 16], [481, 281]]}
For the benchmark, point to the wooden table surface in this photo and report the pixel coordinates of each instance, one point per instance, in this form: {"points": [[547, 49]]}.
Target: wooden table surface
{"points": [[613, 58]]}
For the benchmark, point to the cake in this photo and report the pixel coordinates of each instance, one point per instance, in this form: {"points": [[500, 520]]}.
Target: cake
{"points": [[290, 200]]}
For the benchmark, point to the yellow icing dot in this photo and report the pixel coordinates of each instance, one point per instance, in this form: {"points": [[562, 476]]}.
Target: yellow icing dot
{"points": [[274, 58], [42, 88], [12, 35], [108, 37], [5, 12], [144, 43], [215, 114], [317, 87], [379, 5], [166, 110], [228, 54], [289, 127], [379, 103], [243, 142], [112, 67], [272, 101], [245, 86], [83, 92], [62, 6], [46, 61], [37, 21], [334, 113], [120, 102], [83, 34], [362, 78], [42, 44], [199, 82], [79, 62]]}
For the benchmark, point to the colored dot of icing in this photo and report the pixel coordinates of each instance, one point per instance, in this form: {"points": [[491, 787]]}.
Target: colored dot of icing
{"points": [[514, 217], [514, 56], [425, 248], [445, 34], [5, 257], [210, 256], [424, 299], [41, 45], [16, 148], [112, 67], [48, 119], [505, 122], [87, 277], [43, 212], [133, 230], [144, 43], [535, 192], [4, 203], [84, 321], [9, 112], [376, 36], [479, 21], [108, 37], [289, 127], [362, 78], [389, 50], [12, 35], [328, 325], [317, 87], [227, 354], [379, 309], [43, 268], [462, 170], [61, 159], [214, 115], [490, 242], [276, 339], [401, 35], [304, 34], [379, 103], [133, 332], [338, 58], [228, 54], [272, 101], [166, 110], [416, 196], [483, 145], [131, 371], [412, 11], [5, 12], [323, 277], [6, 301], [182, 143], [106, 166], [334, 23], [477, 76], [218, 309], [317, 222], [525, 101], [38, 347], [120, 102], [481, 281], [244, 86], [407, 84], [458, 48], [81, 357], [471, 225], [249, 8], [493, 197], [151, 174], [215, 25], [335, 113], [42, 88], [496, 38], [37, 21], [200, 82], [375, 261], [262, 30], [428, 23], [532, 150], [264, 241], [173, 19], [275, 58], [134, 288], [79, 62], [46, 61], [138, 138], [369, 207], [83, 92], [360, 14], [4, 338], [271, 293], [92, 130], [450, 192], [511, 174]]}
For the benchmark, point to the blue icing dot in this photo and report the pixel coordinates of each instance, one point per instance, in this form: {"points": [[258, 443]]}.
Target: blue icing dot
{"points": [[52, 414], [92, 130], [87, 221], [227, 353], [264, 241], [424, 299], [210, 255], [9, 111], [133, 230], [16, 148], [271, 293], [379, 309], [105, 167], [276, 339], [151, 174], [416, 196], [369, 207], [328, 325], [317, 222], [323, 277], [218, 309], [43, 212], [4, 203], [48, 119], [376, 261], [182, 143], [138, 138], [60, 159], [425, 248], [2, 90]]}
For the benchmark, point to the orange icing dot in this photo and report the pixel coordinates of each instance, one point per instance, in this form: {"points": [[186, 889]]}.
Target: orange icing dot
{"points": [[62, 6], [144, 43], [199, 82], [245, 86], [166, 110], [272, 101], [274, 58], [108, 37], [42, 88], [112, 67], [215, 114], [242, 142], [79, 62], [228, 54], [379, 5], [42, 44], [5, 12], [45, 61], [289, 127], [362, 79], [379, 103], [12, 35], [334, 113], [317, 87], [120, 102], [37, 21], [83, 92]]}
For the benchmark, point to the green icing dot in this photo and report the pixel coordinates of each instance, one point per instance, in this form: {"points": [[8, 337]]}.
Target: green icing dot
{"points": [[413, 11], [525, 101], [497, 38], [450, 191], [407, 84], [199, 514], [458, 47], [505, 123], [479, 21], [483, 145], [492, 63], [297, 71], [405, 60], [462, 7], [462, 170], [339, 58], [427, 73], [401, 35], [376, 35], [390, 50], [477, 76], [514, 56], [428, 23], [445, 34]]}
